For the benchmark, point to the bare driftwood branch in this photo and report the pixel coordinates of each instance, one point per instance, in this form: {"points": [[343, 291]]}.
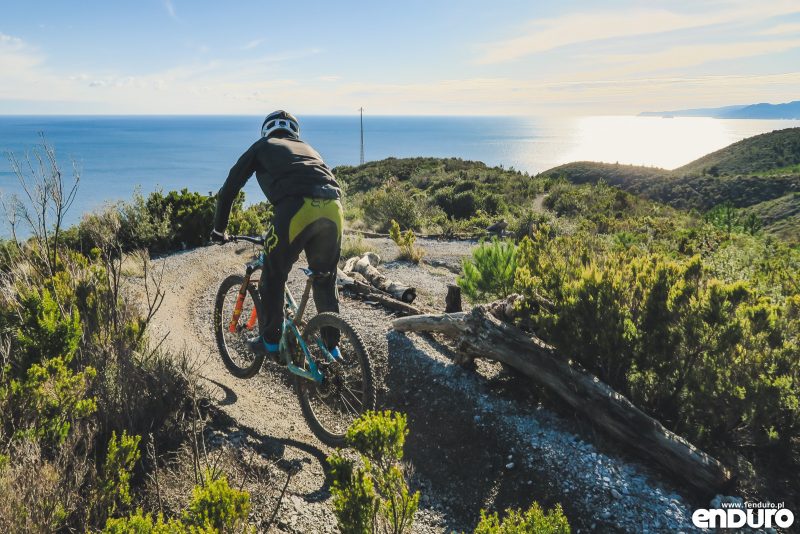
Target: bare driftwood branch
{"points": [[480, 334]]}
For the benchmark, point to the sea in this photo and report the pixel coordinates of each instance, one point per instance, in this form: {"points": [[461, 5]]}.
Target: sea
{"points": [[116, 155]]}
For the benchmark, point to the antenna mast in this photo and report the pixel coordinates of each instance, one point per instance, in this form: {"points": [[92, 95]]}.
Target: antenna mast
{"points": [[362, 134]]}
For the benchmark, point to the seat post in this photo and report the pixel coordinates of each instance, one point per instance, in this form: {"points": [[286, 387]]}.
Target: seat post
{"points": [[304, 300]]}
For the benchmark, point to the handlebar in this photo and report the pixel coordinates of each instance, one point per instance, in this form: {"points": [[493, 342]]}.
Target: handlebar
{"points": [[255, 240]]}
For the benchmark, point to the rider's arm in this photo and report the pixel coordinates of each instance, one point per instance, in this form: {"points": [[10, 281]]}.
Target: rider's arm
{"points": [[240, 173]]}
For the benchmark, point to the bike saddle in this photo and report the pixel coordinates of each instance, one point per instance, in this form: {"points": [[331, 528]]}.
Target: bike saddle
{"points": [[315, 275]]}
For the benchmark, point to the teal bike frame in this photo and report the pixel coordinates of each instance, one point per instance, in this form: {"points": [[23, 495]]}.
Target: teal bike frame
{"points": [[290, 324]]}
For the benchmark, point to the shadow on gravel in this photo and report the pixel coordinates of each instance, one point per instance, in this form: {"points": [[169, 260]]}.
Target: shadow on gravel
{"points": [[462, 464], [275, 449], [230, 396]]}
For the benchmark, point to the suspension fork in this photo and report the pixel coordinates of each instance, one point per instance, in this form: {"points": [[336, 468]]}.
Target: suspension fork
{"points": [[237, 310]]}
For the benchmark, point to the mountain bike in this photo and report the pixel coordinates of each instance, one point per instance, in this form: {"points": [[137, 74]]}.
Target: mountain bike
{"points": [[333, 392]]}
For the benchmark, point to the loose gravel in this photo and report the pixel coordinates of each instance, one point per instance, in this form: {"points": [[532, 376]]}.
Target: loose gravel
{"points": [[478, 439]]}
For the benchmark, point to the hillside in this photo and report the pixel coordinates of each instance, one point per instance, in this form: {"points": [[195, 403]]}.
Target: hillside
{"points": [[781, 216], [759, 153], [756, 170]]}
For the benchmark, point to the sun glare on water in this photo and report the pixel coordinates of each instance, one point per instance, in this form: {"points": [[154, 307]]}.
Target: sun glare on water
{"points": [[652, 141]]}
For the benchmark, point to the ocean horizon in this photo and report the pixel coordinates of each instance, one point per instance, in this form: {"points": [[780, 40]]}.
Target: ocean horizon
{"points": [[117, 154]]}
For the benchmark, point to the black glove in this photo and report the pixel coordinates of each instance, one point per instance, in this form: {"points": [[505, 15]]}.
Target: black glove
{"points": [[218, 237]]}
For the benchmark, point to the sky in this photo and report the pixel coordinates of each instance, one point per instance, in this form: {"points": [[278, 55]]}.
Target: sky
{"points": [[431, 57]]}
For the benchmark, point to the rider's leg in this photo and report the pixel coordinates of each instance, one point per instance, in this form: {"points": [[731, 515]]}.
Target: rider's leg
{"points": [[323, 249], [280, 256]]}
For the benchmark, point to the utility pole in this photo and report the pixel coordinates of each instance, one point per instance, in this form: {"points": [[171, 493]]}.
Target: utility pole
{"points": [[362, 134]]}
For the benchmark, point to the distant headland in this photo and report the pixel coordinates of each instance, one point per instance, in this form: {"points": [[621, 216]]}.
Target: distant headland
{"points": [[789, 110]]}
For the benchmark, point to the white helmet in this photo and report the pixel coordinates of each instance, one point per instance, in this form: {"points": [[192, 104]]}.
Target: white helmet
{"points": [[280, 120]]}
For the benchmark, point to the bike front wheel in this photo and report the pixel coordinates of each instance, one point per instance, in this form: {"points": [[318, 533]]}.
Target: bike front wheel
{"points": [[347, 390], [233, 329]]}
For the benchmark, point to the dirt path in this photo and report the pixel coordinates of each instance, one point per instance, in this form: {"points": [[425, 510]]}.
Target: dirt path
{"points": [[478, 440]]}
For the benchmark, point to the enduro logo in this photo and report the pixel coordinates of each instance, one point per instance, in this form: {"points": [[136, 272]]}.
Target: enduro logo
{"points": [[748, 514]]}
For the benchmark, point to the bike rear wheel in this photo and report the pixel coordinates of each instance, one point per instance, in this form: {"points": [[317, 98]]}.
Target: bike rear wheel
{"points": [[347, 390], [232, 335]]}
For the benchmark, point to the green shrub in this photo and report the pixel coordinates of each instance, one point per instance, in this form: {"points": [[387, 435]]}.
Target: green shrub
{"points": [[354, 246], [381, 206], [730, 219], [405, 241], [48, 400], [533, 521], [45, 330], [489, 274], [141, 523], [78, 381], [493, 204], [115, 486], [703, 356], [143, 227], [163, 222], [214, 508], [459, 205], [219, 507], [191, 215], [251, 220], [373, 497]]}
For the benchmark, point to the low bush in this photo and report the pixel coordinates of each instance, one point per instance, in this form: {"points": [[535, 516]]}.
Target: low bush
{"points": [[533, 521], [354, 246], [717, 362], [79, 383], [163, 222], [391, 203], [459, 205], [371, 495], [730, 219], [489, 273], [215, 507], [405, 241], [452, 196]]}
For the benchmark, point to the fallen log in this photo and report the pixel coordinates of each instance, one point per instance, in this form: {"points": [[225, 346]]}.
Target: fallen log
{"points": [[369, 293], [481, 335], [364, 266]]}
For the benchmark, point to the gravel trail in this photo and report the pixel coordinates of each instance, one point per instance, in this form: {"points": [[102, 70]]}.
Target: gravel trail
{"points": [[478, 439]]}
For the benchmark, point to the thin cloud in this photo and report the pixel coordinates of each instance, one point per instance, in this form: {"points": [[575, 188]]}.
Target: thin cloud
{"points": [[17, 59], [290, 55], [253, 44], [782, 29], [693, 55], [548, 34], [9, 42], [170, 7]]}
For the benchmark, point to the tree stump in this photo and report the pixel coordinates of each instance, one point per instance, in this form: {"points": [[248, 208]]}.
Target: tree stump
{"points": [[453, 299]]}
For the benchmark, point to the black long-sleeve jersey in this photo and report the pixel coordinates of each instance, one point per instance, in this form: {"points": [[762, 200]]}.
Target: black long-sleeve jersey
{"points": [[284, 167]]}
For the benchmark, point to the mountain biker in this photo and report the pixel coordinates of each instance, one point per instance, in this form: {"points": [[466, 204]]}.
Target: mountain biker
{"points": [[307, 216]]}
